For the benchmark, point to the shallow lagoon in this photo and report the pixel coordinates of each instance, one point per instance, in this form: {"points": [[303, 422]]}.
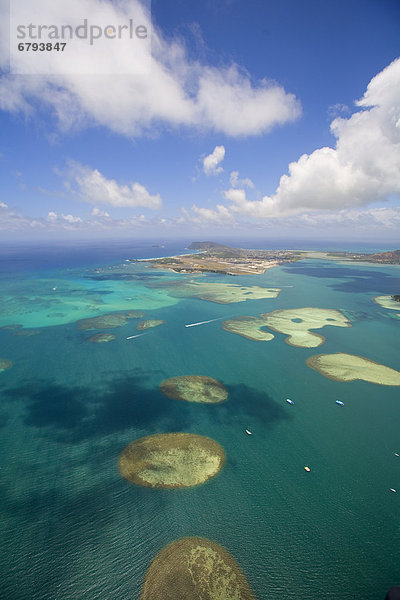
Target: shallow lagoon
{"points": [[72, 527]]}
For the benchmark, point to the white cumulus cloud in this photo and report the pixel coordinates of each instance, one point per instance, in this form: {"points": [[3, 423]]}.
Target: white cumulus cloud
{"points": [[175, 92], [211, 163], [14, 221], [236, 182], [363, 167], [228, 102], [96, 212], [93, 187], [53, 217], [220, 215]]}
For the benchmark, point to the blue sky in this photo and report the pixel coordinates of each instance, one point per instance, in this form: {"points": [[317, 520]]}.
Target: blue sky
{"points": [[237, 91]]}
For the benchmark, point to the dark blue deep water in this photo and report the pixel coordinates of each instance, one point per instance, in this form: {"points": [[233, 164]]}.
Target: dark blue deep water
{"points": [[73, 529]]}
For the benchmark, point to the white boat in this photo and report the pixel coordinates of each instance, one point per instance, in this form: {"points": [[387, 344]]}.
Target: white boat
{"points": [[340, 402], [396, 454], [393, 490], [204, 322], [289, 401], [248, 432], [131, 337]]}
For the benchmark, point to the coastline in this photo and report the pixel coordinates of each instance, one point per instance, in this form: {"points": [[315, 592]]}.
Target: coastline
{"points": [[216, 258]]}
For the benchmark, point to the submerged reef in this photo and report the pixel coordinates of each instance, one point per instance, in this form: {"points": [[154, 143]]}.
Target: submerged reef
{"points": [[221, 293], [347, 367], [5, 364], [101, 338], [171, 460], [194, 388], [149, 323], [195, 568], [248, 327], [135, 314], [109, 321], [11, 327], [27, 332]]}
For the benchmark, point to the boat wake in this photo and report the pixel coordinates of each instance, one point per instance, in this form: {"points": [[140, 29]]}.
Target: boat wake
{"points": [[131, 337], [204, 322]]}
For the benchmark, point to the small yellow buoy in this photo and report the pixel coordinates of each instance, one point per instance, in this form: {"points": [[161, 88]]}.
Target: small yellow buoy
{"points": [[307, 469]]}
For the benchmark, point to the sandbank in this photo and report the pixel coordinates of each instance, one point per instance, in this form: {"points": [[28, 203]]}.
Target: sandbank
{"points": [[248, 327], [348, 367], [149, 323], [387, 302], [222, 293], [297, 322]]}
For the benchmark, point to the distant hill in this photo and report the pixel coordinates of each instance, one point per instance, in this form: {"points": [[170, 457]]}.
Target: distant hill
{"points": [[208, 246], [222, 251], [219, 250], [390, 258]]}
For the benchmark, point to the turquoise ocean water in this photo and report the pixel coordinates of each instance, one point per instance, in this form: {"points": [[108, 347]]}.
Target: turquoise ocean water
{"points": [[72, 529]]}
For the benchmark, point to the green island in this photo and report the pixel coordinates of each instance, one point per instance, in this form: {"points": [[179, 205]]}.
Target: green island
{"points": [[217, 258], [194, 388], [171, 460], [383, 258], [195, 568], [211, 257]]}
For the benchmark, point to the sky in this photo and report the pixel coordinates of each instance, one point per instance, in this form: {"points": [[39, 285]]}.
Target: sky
{"points": [[233, 118]]}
